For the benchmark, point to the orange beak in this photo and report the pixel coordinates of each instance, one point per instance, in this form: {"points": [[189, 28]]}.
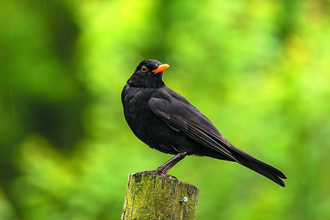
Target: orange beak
{"points": [[160, 68]]}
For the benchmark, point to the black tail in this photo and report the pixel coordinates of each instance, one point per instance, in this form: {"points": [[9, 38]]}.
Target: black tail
{"points": [[258, 166]]}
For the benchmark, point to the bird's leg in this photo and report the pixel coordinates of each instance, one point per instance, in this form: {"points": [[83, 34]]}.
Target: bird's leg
{"points": [[163, 169], [177, 160]]}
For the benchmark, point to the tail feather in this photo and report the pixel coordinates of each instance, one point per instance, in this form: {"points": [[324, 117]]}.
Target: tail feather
{"points": [[258, 166]]}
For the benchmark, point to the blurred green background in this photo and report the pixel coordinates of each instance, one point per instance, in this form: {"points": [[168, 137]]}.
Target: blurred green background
{"points": [[259, 69]]}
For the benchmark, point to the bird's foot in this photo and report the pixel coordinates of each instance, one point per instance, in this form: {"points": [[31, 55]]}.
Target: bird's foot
{"points": [[156, 172]]}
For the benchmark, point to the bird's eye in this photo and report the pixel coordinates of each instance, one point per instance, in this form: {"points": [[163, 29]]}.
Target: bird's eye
{"points": [[144, 69]]}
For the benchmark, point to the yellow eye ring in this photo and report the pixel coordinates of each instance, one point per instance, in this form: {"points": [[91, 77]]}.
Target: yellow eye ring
{"points": [[144, 69]]}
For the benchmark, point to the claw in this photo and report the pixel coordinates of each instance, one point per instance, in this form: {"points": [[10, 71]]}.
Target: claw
{"points": [[155, 172]]}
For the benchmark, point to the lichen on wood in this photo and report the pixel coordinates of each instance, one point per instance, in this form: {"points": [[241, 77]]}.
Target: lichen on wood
{"points": [[157, 197]]}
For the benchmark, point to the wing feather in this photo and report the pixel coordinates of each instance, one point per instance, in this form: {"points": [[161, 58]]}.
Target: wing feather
{"points": [[190, 122]]}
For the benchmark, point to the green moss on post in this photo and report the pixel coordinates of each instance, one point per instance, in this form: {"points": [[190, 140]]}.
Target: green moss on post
{"points": [[157, 197]]}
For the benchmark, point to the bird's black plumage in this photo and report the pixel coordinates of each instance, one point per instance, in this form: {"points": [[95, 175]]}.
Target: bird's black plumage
{"points": [[166, 121]]}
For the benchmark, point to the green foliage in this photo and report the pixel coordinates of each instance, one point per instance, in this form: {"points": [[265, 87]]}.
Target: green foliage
{"points": [[260, 70]]}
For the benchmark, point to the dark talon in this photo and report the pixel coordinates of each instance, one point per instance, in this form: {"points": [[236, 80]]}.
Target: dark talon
{"points": [[155, 172]]}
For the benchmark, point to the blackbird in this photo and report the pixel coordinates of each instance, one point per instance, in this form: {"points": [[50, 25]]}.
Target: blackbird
{"points": [[166, 121]]}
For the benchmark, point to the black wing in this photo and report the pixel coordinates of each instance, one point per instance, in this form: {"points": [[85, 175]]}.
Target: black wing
{"points": [[188, 120]]}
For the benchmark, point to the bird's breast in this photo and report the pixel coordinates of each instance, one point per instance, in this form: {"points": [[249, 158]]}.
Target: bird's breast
{"points": [[138, 115], [144, 123]]}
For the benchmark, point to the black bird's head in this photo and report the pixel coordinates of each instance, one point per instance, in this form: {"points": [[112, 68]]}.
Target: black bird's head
{"points": [[148, 74]]}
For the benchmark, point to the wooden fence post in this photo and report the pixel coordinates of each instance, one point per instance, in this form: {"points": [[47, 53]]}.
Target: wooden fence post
{"points": [[157, 197]]}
